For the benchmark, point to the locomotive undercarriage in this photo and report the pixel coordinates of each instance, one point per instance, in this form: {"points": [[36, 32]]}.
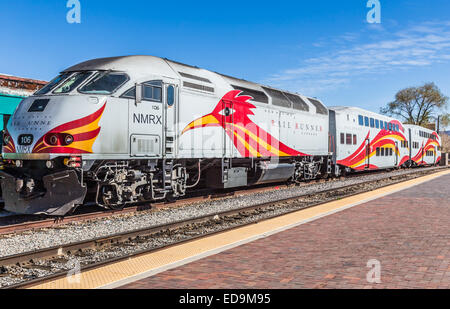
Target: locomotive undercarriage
{"points": [[37, 187]]}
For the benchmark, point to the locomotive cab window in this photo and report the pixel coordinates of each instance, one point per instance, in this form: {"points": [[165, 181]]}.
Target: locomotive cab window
{"points": [[129, 94], [105, 83], [72, 82], [47, 88], [151, 91], [170, 95]]}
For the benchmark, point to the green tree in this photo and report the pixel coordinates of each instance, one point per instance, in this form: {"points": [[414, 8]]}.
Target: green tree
{"points": [[419, 105]]}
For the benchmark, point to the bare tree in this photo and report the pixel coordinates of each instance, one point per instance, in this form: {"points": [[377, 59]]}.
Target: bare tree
{"points": [[419, 105]]}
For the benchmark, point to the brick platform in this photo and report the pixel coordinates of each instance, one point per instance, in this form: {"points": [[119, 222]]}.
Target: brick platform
{"points": [[408, 232]]}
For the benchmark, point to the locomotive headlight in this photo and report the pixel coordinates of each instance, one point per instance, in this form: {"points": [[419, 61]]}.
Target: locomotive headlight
{"points": [[53, 139], [6, 139], [68, 139]]}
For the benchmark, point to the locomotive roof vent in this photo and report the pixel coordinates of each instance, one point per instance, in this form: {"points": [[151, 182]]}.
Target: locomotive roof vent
{"points": [[257, 96], [198, 87], [321, 109], [190, 76]]}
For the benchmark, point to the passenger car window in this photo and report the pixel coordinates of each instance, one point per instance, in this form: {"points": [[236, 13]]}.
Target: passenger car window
{"points": [[342, 138], [366, 121], [361, 120], [349, 139], [372, 123], [377, 124]]}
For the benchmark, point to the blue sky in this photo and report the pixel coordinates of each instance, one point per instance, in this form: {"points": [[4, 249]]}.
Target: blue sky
{"points": [[320, 48]]}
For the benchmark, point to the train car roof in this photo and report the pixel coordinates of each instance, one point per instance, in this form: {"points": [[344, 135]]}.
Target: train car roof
{"points": [[357, 109], [138, 64]]}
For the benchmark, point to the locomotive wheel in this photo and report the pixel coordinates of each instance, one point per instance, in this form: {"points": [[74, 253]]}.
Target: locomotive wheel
{"points": [[170, 198], [111, 199]]}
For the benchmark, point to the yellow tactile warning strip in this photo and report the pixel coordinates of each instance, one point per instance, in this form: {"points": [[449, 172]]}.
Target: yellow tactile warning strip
{"points": [[114, 275]]}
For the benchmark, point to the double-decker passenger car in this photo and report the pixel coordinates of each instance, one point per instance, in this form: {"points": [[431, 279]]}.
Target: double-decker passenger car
{"points": [[425, 145], [363, 140]]}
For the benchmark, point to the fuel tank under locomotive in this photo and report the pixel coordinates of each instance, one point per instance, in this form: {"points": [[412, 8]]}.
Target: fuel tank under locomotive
{"points": [[242, 176]]}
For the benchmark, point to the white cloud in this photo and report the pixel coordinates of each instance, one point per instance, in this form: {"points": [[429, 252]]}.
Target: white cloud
{"points": [[418, 46]]}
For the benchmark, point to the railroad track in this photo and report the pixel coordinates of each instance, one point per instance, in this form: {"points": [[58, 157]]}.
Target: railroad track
{"points": [[29, 223], [182, 231], [23, 223]]}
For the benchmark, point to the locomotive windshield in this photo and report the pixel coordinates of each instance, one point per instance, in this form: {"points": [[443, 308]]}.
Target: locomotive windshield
{"points": [[72, 82], [105, 83], [102, 83], [53, 84]]}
